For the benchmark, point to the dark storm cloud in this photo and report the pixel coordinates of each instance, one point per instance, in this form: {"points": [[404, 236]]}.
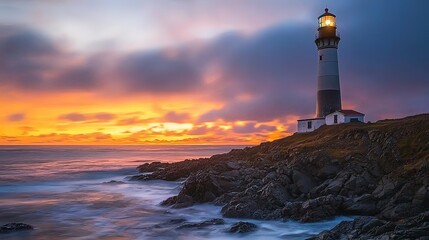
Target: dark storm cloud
{"points": [[83, 77], [267, 75], [157, 72], [384, 57], [31, 61], [273, 68], [23, 54], [20, 42]]}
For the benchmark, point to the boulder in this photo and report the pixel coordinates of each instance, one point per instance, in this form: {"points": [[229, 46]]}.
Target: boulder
{"points": [[211, 222], [312, 210], [303, 182], [13, 227], [275, 194], [242, 227], [363, 205], [179, 201]]}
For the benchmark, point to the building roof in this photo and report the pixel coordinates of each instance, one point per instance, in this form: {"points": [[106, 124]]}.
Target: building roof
{"points": [[327, 13], [308, 119], [350, 112]]}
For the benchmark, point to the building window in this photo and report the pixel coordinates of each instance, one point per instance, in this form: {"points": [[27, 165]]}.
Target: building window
{"points": [[320, 57], [309, 125], [335, 118]]}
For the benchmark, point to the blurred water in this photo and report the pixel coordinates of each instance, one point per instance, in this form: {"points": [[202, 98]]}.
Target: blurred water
{"points": [[64, 192]]}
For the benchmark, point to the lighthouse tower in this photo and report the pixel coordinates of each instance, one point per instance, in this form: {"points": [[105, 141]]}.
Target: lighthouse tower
{"points": [[328, 81], [328, 109]]}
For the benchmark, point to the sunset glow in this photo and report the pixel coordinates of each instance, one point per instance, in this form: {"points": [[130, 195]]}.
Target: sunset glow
{"points": [[183, 72]]}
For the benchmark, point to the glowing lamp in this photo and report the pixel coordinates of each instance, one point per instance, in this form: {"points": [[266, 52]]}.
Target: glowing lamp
{"points": [[327, 19]]}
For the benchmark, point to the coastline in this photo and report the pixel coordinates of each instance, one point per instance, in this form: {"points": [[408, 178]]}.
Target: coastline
{"points": [[77, 199], [376, 170]]}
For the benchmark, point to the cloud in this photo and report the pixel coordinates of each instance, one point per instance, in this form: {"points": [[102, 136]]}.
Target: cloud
{"points": [[252, 128], [26, 130], [156, 72], [73, 117], [258, 76], [16, 117], [272, 69], [92, 117], [82, 77], [176, 117], [24, 57], [31, 61], [103, 116], [199, 130], [131, 121]]}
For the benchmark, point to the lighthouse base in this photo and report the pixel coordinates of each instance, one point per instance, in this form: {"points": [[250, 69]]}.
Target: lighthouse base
{"points": [[328, 101]]}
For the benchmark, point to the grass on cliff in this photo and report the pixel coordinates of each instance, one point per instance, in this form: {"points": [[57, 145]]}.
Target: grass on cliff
{"points": [[339, 141]]}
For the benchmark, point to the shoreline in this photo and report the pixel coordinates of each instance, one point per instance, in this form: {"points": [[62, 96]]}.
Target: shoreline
{"points": [[351, 169]]}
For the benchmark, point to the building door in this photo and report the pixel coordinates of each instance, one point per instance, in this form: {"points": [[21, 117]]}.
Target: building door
{"points": [[335, 119], [309, 124]]}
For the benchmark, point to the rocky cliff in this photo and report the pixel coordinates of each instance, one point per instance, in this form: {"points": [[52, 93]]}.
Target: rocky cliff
{"points": [[376, 169]]}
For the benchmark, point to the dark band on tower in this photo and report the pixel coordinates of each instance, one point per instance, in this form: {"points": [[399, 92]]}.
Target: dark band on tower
{"points": [[328, 85]]}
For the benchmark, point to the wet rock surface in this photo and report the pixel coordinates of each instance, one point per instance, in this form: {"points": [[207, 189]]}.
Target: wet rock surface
{"points": [[242, 227], [372, 228], [379, 170], [14, 227], [214, 221]]}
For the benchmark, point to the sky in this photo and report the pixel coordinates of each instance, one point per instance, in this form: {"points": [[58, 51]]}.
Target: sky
{"points": [[198, 71]]}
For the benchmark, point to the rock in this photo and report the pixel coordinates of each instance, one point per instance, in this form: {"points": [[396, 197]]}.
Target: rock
{"points": [[242, 227], [179, 201], [114, 182], [377, 169], [421, 197], [214, 221], [233, 165], [205, 187], [363, 205], [303, 182], [329, 170], [335, 185], [385, 187], [373, 228], [275, 194], [13, 227], [224, 198], [176, 221], [152, 167], [344, 230], [312, 210], [240, 208]]}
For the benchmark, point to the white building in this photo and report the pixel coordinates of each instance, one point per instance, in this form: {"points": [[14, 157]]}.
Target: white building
{"points": [[311, 124], [338, 117], [344, 116]]}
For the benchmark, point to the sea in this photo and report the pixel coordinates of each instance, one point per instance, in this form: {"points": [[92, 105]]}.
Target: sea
{"points": [[84, 192]]}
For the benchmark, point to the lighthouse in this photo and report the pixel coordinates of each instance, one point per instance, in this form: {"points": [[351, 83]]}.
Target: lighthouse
{"points": [[328, 103], [328, 79]]}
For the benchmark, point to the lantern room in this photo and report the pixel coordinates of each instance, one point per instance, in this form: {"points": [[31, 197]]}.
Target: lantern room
{"points": [[327, 35], [327, 19]]}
